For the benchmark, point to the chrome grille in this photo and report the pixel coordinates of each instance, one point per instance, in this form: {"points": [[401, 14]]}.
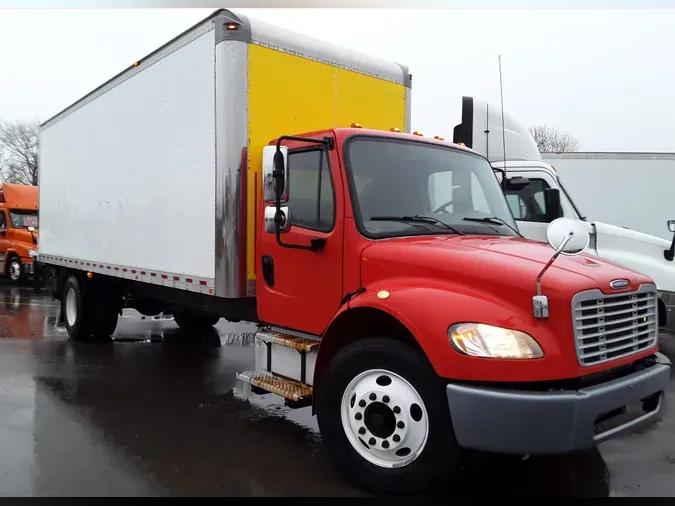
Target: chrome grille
{"points": [[608, 327]]}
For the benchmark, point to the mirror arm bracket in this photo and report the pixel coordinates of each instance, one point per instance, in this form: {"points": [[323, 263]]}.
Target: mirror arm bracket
{"points": [[558, 250], [539, 301]]}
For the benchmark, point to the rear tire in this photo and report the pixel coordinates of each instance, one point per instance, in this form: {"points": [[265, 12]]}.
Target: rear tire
{"points": [[90, 317], [189, 320], [75, 318], [386, 392]]}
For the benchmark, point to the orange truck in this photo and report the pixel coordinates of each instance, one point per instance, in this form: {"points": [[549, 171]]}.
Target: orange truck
{"points": [[18, 229]]}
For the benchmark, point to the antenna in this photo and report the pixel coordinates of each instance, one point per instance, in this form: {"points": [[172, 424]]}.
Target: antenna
{"points": [[501, 92]]}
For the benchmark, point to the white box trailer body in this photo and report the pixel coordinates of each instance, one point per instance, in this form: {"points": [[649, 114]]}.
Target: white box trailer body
{"points": [[155, 175], [637, 188]]}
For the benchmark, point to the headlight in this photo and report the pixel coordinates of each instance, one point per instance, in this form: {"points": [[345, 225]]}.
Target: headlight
{"points": [[32, 253], [479, 340]]}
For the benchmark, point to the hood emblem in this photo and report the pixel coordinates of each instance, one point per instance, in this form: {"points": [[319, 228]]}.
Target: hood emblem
{"points": [[618, 284]]}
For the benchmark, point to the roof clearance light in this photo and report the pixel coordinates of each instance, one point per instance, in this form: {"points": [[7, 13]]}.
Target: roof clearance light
{"points": [[461, 144], [438, 138], [395, 129], [232, 27], [136, 64], [356, 125], [418, 133]]}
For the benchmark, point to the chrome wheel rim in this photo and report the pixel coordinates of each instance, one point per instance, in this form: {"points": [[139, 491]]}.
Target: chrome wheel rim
{"points": [[384, 418]]}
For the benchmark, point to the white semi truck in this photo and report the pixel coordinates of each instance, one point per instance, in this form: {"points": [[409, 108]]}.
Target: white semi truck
{"points": [[513, 153]]}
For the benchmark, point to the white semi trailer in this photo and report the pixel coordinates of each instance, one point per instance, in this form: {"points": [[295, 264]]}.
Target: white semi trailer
{"points": [[637, 187]]}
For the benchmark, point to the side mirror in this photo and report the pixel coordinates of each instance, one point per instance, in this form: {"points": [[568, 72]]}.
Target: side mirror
{"points": [[275, 160], [553, 205], [671, 225], [31, 229], [284, 218], [515, 183], [569, 236]]}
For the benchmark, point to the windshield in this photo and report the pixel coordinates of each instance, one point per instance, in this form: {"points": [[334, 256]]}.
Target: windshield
{"points": [[452, 188], [23, 219]]}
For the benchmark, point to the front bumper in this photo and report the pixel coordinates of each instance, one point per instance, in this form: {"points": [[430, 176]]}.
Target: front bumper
{"points": [[541, 423]]}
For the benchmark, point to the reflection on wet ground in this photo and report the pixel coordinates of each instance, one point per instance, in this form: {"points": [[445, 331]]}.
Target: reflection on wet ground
{"points": [[153, 414]]}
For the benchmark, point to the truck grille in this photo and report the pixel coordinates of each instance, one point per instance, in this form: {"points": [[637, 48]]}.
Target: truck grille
{"points": [[608, 327]]}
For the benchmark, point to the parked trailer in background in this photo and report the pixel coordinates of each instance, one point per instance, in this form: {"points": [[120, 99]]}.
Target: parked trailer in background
{"points": [[638, 189], [390, 289]]}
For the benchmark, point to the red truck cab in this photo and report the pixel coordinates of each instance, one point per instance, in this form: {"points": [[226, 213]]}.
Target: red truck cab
{"points": [[438, 326], [18, 229]]}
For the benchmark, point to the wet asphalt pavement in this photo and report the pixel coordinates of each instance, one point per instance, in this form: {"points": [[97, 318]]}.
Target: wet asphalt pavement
{"points": [[154, 414]]}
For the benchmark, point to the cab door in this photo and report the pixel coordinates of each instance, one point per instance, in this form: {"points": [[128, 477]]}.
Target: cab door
{"points": [[297, 288]]}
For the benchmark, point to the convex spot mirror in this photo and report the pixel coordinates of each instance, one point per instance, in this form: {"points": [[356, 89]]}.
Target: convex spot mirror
{"points": [[271, 158], [671, 225], [559, 229]]}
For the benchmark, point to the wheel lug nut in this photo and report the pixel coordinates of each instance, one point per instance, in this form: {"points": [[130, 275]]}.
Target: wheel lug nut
{"points": [[358, 416], [396, 438], [371, 441], [362, 403], [385, 444], [400, 425], [362, 430], [397, 410], [385, 399], [373, 397]]}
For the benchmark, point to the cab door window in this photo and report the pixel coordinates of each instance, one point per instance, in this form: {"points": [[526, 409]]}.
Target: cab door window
{"points": [[312, 200], [528, 203]]}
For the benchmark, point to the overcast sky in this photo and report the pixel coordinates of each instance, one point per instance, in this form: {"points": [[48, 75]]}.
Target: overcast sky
{"points": [[606, 76]]}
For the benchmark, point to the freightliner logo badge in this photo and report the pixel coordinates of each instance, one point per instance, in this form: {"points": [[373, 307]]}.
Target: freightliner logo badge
{"points": [[618, 284]]}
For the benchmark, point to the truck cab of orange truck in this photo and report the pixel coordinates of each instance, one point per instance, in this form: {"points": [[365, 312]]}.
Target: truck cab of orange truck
{"points": [[440, 326], [18, 229]]}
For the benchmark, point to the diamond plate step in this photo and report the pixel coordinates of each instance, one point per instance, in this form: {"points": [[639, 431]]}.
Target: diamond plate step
{"points": [[288, 340], [290, 390]]}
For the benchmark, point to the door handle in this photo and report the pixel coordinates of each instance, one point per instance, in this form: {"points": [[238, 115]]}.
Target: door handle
{"points": [[268, 270]]}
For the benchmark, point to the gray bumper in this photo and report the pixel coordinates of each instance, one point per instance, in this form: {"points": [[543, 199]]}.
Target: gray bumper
{"points": [[511, 421]]}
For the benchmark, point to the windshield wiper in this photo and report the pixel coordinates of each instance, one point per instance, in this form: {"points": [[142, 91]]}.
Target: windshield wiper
{"points": [[416, 219], [495, 221]]}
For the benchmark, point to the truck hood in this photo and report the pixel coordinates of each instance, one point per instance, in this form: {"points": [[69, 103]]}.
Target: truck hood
{"points": [[489, 263], [24, 236], [639, 251]]}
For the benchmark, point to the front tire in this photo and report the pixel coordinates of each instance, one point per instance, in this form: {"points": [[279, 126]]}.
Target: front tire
{"points": [[15, 270], [384, 417]]}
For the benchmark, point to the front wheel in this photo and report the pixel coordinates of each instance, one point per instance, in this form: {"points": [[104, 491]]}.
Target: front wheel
{"points": [[15, 270], [384, 417]]}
